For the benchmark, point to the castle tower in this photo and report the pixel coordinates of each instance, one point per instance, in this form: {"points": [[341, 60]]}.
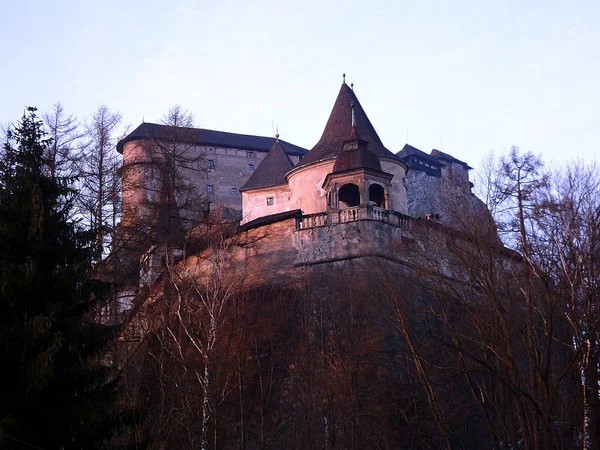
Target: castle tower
{"points": [[357, 178], [150, 211], [349, 149]]}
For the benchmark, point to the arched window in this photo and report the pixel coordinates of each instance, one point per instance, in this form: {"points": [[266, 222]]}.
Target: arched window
{"points": [[349, 195], [377, 195]]}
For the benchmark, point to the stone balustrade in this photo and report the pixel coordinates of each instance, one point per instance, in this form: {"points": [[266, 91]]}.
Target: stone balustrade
{"points": [[349, 214], [312, 221], [352, 214]]}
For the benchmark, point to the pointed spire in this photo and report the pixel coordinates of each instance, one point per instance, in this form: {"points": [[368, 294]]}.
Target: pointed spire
{"points": [[339, 129], [354, 141], [344, 78]]}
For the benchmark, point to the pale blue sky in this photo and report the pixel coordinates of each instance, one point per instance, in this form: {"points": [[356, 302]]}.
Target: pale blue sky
{"points": [[469, 76]]}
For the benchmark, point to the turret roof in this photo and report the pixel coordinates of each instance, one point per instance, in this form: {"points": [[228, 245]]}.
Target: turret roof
{"points": [[338, 129], [271, 171], [355, 155]]}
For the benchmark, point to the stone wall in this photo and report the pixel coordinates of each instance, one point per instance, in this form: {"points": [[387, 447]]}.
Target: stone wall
{"points": [[348, 240], [306, 187], [201, 173], [446, 199], [397, 191], [263, 202]]}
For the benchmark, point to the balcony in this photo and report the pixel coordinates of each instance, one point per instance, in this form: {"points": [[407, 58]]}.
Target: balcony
{"points": [[352, 214]]}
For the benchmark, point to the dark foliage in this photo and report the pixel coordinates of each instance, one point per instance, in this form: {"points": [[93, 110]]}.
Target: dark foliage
{"points": [[56, 392]]}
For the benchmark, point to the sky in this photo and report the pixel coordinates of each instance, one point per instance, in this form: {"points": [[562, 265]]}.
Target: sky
{"points": [[465, 77]]}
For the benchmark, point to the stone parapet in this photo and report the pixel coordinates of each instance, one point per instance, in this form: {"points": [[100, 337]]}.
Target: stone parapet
{"points": [[352, 214]]}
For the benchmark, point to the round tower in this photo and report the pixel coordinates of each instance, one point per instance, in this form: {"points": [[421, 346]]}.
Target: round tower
{"points": [[144, 174], [349, 166]]}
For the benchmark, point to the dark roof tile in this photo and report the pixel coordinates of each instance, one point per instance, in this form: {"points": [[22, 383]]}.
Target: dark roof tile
{"points": [[355, 155], [198, 136], [272, 218], [339, 127], [439, 155], [409, 150], [271, 171]]}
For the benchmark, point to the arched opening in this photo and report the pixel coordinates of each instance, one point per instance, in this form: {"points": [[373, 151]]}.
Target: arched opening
{"points": [[377, 195], [349, 195]]}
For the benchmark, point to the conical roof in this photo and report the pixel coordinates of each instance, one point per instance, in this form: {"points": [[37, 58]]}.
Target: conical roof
{"points": [[271, 171], [339, 127]]}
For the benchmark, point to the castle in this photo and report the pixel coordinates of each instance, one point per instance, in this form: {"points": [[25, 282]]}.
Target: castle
{"points": [[343, 297], [348, 197], [303, 257]]}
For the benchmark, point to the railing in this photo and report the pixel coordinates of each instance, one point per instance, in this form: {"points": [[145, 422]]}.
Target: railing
{"points": [[349, 214], [352, 214], [312, 221], [380, 214]]}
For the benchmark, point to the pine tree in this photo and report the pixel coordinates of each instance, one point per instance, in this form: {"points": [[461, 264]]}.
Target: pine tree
{"points": [[55, 391]]}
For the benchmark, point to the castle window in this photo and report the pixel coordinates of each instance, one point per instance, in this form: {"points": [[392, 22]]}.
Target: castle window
{"points": [[233, 191], [377, 195], [270, 201], [211, 164], [210, 188], [250, 167], [349, 195], [250, 154]]}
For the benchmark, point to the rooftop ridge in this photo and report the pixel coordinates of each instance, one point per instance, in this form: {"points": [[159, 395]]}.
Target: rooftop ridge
{"points": [[203, 136]]}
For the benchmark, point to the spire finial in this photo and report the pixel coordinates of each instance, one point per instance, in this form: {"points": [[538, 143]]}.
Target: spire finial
{"points": [[344, 78], [352, 86], [353, 116], [277, 133]]}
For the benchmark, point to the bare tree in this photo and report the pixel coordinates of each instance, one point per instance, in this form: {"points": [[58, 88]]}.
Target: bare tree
{"points": [[496, 312], [99, 199], [177, 116], [569, 252], [162, 204], [194, 299], [63, 155]]}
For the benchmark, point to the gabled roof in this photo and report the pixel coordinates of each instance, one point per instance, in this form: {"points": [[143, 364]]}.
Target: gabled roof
{"points": [[198, 136], [439, 155], [338, 129], [271, 171], [409, 150]]}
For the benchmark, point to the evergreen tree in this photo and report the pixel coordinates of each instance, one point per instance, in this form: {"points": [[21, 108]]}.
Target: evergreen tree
{"points": [[56, 393]]}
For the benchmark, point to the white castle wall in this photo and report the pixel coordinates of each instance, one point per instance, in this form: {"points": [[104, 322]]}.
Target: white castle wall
{"points": [[305, 185], [255, 203]]}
